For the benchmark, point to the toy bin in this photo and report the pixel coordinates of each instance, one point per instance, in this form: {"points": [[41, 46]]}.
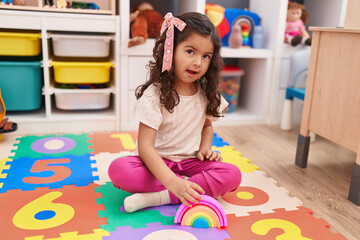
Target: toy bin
{"points": [[230, 85], [65, 45], [20, 84], [82, 99], [19, 44], [82, 72]]}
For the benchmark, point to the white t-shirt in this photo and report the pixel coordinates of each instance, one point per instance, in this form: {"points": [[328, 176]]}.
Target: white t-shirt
{"points": [[178, 133]]}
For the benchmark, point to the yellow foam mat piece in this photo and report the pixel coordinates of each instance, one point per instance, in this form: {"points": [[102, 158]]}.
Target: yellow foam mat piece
{"points": [[97, 235], [229, 155]]}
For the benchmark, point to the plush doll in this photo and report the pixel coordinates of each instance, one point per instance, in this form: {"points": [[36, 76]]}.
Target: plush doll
{"points": [[295, 32], [145, 23]]}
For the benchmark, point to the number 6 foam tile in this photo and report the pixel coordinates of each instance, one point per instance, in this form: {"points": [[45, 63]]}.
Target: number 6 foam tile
{"points": [[52, 145], [295, 225], [49, 212], [257, 193], [53, 172], [156, 231], [113, 142]]}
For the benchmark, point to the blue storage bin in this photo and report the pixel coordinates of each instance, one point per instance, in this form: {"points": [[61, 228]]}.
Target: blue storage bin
{"points": [[20, 84]]}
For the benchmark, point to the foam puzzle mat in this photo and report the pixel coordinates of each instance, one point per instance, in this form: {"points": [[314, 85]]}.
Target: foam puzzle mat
{"points": [[56, 187]]}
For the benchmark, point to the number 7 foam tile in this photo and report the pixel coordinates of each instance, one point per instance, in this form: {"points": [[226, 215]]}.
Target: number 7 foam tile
{"points": [[113, 142], [49, 212], [52, 145], [293, 225], [54, 172], [257, 193]]}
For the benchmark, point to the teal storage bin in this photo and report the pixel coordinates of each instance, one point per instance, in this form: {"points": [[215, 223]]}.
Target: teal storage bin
{"points": [[20, 84]]}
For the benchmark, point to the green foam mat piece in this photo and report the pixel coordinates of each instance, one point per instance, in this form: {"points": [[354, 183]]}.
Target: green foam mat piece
{"points": [[52, 145], [113, 200]]}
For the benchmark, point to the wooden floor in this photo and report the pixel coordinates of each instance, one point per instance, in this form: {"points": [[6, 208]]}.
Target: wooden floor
{"points": [[323, 186]]}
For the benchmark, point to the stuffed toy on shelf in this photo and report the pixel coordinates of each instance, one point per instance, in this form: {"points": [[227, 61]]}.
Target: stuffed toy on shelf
{"points": [[145, 23], [295, 31]]}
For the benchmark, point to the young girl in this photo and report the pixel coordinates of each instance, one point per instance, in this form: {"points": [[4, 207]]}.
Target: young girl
{"points": [[295, 32], [175, 108]]}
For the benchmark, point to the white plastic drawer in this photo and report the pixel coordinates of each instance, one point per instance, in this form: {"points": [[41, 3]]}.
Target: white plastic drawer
{"points": [[67, 45], [82, 99]]}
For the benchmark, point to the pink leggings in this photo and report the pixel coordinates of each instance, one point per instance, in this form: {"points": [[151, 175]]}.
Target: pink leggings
{"points": [[216, 178]]}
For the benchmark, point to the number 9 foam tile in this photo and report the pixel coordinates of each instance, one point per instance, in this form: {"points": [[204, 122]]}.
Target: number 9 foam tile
{"points": [[49, 212], [257, 193], [53, 172], [52, 145], [293, 225]]}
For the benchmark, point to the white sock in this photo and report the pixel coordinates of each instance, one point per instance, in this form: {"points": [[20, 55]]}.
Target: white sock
{"points": [[142, 200]]}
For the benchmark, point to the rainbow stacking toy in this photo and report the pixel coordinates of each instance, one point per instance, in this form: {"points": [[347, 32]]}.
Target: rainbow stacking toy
{"points": [[206, 213]]}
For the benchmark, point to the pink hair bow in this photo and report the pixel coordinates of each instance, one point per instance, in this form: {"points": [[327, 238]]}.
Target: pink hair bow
{"points": [[169, 23]]}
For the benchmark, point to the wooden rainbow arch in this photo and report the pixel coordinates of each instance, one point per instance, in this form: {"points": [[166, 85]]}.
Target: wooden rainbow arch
{"points": [[206, 213]]}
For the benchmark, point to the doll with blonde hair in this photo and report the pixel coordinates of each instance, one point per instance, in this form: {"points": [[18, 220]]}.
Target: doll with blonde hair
{"points": [[295, 32]]}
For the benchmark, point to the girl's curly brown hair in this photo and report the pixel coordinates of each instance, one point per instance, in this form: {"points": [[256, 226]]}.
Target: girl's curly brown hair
{"points": [[209, 83]]}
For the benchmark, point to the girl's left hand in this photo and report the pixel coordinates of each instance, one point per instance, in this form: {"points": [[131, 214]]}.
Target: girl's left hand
{"points": [[209, 155]]}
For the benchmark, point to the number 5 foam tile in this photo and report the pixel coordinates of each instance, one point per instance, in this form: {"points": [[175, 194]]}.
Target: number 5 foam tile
{"points": [[113, 142], [257, 193], [52, 145], [102, 162], [293, 225], [49, 212], [113, 200], [229, 155], [156, 231], [97, 235], [27, 173]]}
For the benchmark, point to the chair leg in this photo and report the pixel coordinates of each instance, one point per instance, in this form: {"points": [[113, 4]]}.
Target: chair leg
{"points": [[312, 136], [302, 151], [287, 115], [354, 192]]}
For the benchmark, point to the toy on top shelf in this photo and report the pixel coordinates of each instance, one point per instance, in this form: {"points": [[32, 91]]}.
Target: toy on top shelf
{"points": [[84, 5], [206, 213], [145, 23], [10, 2], [49, 3], [245, 34], [226, 19], [61, 3], [295, 32]]}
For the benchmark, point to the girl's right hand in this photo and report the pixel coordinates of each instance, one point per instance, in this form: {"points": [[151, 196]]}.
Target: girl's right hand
{"points": [[185, 190]]}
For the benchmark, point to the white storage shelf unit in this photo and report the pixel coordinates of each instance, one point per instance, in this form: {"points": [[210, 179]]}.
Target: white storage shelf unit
{"points": [[257, 63], [322, 13], [49, 118]]}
